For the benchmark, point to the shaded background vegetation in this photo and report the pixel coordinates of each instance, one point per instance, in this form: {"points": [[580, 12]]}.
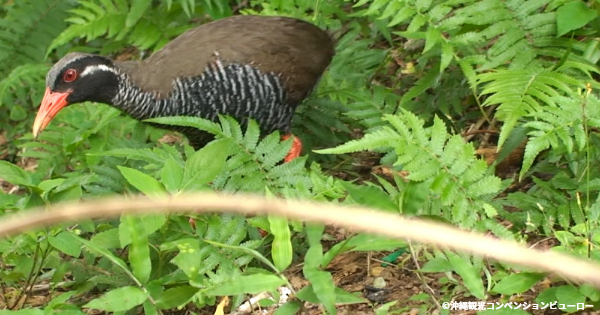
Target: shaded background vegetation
{"points": [[480, 113]]}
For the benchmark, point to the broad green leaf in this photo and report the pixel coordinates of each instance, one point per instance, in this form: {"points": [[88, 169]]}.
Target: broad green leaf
{"points": [[590, 291], [69, 194], [104, 252], [289, 308], [205, 164], [149, 308], [143, 182], [250, 284], [67, 243], [50, 184], [313, 257], [573, 15], [470, 274], [517, 283], [570, 296], [139, 251], [138, 7], [172, 175], [314, 233], [14, 174], [252, 252], [371, 196], [547, 296], [384, 309], [151, 222], [56, 301], [188, 258], [175, 297], [362, 242], [119, 300], [437, 264], [323, 287], [108, 239], [281, 249]]}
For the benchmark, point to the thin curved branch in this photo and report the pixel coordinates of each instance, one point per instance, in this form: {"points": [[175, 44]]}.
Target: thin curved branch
{"points": [[364, 219]]}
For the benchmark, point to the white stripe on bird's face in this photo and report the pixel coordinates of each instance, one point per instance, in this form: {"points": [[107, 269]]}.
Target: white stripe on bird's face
{"points": [[95, 68]]}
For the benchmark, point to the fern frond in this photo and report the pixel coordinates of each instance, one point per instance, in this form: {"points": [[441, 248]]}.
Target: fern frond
{"points": [[518, 93], [457, 177], [27, 29], [117, 20], [560, 127], [187, 121]]}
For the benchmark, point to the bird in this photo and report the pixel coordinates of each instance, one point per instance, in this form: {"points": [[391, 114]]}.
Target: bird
{"points": [[245, 66]]}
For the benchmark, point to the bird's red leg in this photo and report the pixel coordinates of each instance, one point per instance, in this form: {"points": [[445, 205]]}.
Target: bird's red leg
{"points": [[295, 150]]}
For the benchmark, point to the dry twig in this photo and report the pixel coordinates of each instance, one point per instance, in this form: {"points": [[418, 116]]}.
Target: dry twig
{"points": [[360, 218]]}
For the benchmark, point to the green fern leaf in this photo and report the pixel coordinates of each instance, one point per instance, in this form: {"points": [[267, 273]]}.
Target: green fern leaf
{"points": [[138, 8]]}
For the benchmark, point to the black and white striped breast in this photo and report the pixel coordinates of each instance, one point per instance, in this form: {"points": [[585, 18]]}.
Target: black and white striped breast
{"points": [[239, 90]]}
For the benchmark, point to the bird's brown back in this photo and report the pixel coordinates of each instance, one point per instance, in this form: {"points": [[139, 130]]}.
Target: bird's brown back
{"points": [[295, 50]]}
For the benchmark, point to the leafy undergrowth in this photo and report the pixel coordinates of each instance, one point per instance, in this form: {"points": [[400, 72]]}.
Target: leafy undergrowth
{"points": [[483, 114]]}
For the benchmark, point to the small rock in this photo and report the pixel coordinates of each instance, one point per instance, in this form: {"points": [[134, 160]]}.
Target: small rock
{"points": [[379, 283], [376, 271]]}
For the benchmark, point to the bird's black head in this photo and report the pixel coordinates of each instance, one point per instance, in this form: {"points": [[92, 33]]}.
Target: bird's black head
{"points": [[76, 78]]}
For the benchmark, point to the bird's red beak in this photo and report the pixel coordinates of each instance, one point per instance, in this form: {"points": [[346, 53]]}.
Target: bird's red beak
{"points": [[52, 103]]}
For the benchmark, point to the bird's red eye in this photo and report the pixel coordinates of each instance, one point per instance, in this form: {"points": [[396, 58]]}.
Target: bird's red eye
{"points": [[70, 75]]}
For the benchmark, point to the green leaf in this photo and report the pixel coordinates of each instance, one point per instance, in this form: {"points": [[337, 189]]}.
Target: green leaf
{"points": [[570, 296], [573, 15], [17, 113], [470, 274], [250, 284], [517, 283], [252, 252], [172, 175], [362, 242], [110, 256], [69, 194], [149, 308], [138, 7], [14, 174], [175, 297], [289, 308], [371, 196], [205, 164], [188, 258], [108, 239], [447, 56], [151, 222], [143, 182], [56, 301], [119, 300], [323, 287], [67, 243], [590, 291], [281, 249], [384, 309], [189, 121], [437, 264], [139, 252]]}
